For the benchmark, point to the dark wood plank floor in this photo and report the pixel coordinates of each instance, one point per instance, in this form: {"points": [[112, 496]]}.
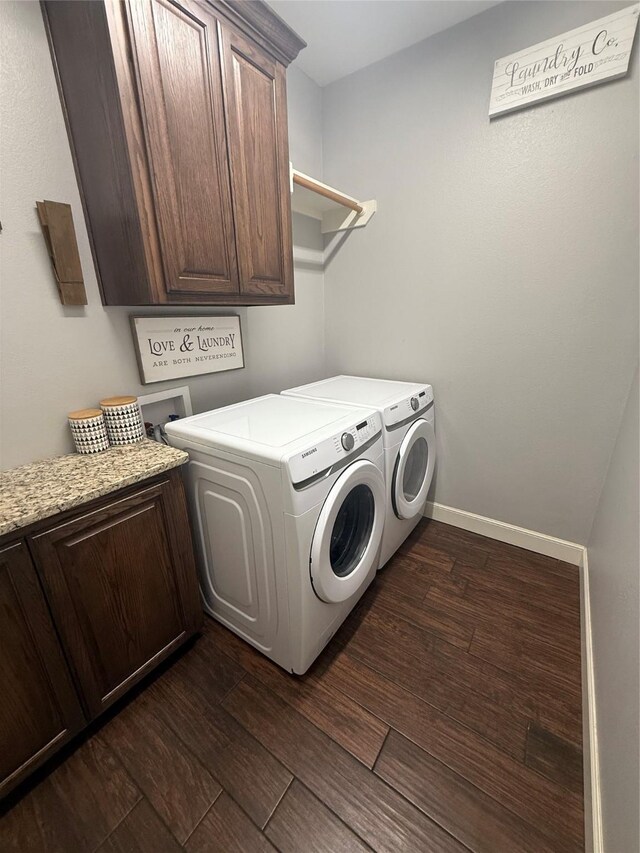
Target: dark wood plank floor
{"points": [[444, 716]]}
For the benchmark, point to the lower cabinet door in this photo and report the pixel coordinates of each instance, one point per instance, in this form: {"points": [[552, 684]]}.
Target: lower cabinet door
{"points": [[39, 710], [122, 587]]}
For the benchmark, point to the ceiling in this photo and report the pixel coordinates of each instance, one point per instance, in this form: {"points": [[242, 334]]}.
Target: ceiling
{"points": [[345, 35]]}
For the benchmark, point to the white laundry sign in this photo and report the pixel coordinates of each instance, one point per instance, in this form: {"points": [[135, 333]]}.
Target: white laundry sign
{"points": [[172, 347], [582, 57]]}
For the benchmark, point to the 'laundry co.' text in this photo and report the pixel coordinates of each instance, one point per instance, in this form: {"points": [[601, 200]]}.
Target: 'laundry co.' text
{"points": [[590, 54]]}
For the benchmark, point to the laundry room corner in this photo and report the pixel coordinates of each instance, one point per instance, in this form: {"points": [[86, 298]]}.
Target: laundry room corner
{"points": [[319, 435], [483, 267]]}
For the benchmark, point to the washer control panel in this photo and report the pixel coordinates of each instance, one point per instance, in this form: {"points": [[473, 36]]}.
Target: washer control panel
{"points": [[356, 436], [319, 457], [347, 441], [411, 407]]}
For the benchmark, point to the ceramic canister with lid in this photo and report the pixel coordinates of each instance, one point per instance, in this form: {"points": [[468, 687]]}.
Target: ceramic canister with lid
{"points": [[123, 420], [89, 430]]}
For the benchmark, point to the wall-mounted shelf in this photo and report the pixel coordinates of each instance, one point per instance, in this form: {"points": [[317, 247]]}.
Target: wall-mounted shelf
{"points": [[335, 210]]}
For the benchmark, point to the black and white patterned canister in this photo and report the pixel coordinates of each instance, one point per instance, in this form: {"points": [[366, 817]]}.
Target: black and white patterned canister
{"points": [[123, 420], [89, 430]]}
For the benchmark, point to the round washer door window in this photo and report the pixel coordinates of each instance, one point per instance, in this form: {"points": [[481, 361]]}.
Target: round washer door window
{"points": [[348, 533], [414, 470]]}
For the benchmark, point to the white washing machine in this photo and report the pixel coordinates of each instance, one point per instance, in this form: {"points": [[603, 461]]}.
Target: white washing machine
{"points": [[407, 412], [287, 499]]}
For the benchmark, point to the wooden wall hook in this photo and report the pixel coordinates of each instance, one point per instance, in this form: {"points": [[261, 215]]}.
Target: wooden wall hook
{"points": [[56, 221]]}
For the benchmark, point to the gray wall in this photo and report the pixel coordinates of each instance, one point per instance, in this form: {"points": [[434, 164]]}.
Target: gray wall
{"points": [[55, 359], [613, 574], [305, 122], [502, 265]]}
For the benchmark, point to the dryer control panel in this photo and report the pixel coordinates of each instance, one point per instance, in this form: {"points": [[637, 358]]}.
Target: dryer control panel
{"points": [[411, 407], [347, 443]]}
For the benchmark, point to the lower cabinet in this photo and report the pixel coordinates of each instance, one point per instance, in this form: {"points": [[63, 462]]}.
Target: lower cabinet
{"points": [[40, 709], [119, 591], [113, 591]]}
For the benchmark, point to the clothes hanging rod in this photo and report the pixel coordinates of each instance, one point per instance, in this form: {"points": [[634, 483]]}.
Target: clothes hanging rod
{"points": [[327, 192]]}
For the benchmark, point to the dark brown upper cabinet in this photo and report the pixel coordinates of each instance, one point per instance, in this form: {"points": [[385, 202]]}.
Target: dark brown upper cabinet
{"points": [[176, 113]]}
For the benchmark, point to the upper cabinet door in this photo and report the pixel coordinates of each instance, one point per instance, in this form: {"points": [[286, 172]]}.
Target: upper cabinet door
{"points": [[255, 104], [176, 56]]}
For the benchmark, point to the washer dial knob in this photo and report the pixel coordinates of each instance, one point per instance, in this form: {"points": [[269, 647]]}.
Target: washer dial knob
{"points": [[347, 441], [415, 404]]}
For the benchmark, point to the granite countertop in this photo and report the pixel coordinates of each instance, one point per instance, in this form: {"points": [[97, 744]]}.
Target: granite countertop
{"points": [[42, 489]]}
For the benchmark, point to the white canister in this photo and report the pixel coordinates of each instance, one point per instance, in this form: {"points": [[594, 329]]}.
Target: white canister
{"points": [[123, 420], [89, 430]]}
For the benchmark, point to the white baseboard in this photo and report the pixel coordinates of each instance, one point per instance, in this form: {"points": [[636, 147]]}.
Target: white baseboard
{"points": [[559, 549], [594, 842], [575, 554]]}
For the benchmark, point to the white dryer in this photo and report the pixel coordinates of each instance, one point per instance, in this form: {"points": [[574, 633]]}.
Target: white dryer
{"points": [[287, 499], [407, 411]]}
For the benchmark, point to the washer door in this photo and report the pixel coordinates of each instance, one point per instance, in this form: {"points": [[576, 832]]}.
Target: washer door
{"points": [[348, 534], [413, 470]]}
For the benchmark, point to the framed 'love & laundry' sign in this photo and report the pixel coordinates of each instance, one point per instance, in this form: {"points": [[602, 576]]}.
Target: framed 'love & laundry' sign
{"points": [[174, 347]]}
